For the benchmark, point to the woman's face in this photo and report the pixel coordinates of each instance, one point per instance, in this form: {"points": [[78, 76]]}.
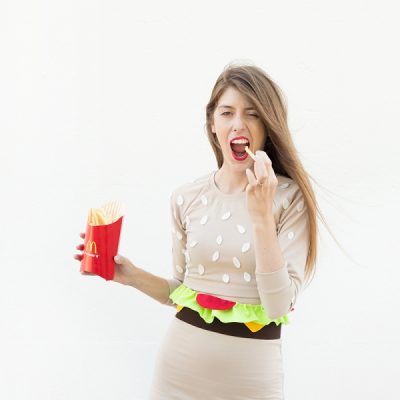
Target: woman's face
{"points": [[232, 119]]}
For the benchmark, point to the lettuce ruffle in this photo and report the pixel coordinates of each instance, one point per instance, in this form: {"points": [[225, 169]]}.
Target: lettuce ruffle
{"points": [[186, 297]]}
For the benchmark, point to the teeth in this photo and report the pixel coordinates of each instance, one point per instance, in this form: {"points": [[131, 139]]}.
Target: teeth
{"points": [[240, 141]]}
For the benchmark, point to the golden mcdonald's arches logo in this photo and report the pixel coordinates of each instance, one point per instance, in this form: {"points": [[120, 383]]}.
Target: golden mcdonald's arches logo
{"points": [[90, 245]]}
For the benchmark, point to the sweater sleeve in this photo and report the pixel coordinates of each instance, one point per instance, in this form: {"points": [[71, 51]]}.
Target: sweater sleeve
{"points": [[178, 240], [279, 289]]}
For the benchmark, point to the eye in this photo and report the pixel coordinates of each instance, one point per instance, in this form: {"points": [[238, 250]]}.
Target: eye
{"points": [[228, 112]]}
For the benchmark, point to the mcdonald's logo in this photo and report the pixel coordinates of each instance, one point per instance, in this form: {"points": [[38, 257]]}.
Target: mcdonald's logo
{"points": [[90, 245]]}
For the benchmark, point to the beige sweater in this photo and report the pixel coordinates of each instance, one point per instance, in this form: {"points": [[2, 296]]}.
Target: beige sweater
{"points": [[212, 244]]}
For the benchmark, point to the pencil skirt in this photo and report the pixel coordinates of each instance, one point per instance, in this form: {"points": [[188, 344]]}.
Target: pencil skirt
{"points": [[194, 363]]}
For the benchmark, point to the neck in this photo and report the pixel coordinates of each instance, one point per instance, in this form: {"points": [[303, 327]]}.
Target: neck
{"points": [[230, 181]]}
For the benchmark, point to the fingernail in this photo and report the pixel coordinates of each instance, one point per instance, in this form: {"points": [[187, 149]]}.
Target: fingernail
{"points": [[117, 258]]}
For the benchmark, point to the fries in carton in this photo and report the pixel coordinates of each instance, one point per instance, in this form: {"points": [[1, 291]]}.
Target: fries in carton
{"points": [[101, 240]]}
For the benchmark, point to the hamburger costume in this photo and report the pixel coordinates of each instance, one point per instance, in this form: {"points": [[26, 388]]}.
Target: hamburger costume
{"points": [[224, 341]]}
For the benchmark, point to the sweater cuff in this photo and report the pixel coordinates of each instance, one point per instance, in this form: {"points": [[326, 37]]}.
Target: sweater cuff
{"points": [[173, 284], [275, 281]]}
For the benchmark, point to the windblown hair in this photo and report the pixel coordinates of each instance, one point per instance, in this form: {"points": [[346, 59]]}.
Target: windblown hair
{"points": [[266, 96]]}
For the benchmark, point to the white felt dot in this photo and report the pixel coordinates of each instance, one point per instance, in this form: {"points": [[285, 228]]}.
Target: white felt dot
{"points": [[284, 185], [179, 200], [241, 228], [201, 269], [179, 269], [290, 235], [219, 239], [247, 277], [187, 219], [215, 255], [226, 215], [285, 203], [179, 235], [204, 200], [236, 262], [193, 243], [225, 278], [245, 247], [300, 206], [203, 220]]}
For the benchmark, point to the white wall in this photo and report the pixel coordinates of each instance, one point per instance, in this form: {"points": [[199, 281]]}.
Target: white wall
{"points": [[105, 101]]}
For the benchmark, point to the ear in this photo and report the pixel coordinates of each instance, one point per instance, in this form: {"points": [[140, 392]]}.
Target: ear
{"points": [[212, 124]]}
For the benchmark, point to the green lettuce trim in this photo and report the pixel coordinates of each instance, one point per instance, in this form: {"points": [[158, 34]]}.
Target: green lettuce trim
{"points": [[186, 297]]}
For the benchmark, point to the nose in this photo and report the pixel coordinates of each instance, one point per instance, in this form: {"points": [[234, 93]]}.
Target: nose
{"points": [[238, 123]]}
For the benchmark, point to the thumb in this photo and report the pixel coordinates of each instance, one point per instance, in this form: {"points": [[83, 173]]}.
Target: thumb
{"points": [[119, 259]]}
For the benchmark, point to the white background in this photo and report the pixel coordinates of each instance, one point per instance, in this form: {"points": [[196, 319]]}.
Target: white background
{"points": [[104, 101]]}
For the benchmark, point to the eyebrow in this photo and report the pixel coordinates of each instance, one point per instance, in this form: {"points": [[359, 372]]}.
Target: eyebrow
{"points": [[226, 106]]}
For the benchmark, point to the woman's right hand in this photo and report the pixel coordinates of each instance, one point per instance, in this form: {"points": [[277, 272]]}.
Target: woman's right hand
{"points": [[124, 269]]}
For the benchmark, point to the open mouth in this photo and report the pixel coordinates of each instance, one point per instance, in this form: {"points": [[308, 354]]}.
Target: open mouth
{"points": [[238, 146]]}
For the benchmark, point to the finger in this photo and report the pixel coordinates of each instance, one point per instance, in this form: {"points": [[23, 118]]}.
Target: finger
{"points": [[121, 259], [79, 257], [268, 163], [80, 246], [260, 169], [82, 235], [251, 177], [264, 155]]}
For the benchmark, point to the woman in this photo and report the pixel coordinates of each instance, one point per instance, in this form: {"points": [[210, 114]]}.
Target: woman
{"points": [[243, 247]]}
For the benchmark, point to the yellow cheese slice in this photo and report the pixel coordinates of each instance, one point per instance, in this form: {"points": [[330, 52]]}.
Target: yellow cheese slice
{"points": [[254, 326]]}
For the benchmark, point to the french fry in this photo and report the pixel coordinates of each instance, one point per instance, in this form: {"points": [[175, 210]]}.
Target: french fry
{"points": [[106, 209], [91, 217], [97, 217], [101, 219], [250, 153], [89, 220], [112, 212]]}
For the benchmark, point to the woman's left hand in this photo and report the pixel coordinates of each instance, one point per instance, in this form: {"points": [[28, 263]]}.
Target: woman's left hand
{"points": [[261, 188]]}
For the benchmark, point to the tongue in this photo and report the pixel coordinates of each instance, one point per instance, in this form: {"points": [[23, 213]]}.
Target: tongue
{"points": [[238, 148]]}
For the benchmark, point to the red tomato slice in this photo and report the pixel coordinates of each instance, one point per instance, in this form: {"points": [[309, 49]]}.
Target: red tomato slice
{"points": [[213, 303]]}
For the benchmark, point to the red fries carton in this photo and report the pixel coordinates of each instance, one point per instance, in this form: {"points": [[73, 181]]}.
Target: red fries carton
{"points": [[103, 231]]}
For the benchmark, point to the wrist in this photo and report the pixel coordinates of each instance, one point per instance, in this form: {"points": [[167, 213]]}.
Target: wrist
{"points": [[264, 221], [134, 277]]}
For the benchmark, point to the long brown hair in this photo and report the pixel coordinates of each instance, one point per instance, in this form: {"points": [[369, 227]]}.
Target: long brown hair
{"points": [[267, 97]]}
